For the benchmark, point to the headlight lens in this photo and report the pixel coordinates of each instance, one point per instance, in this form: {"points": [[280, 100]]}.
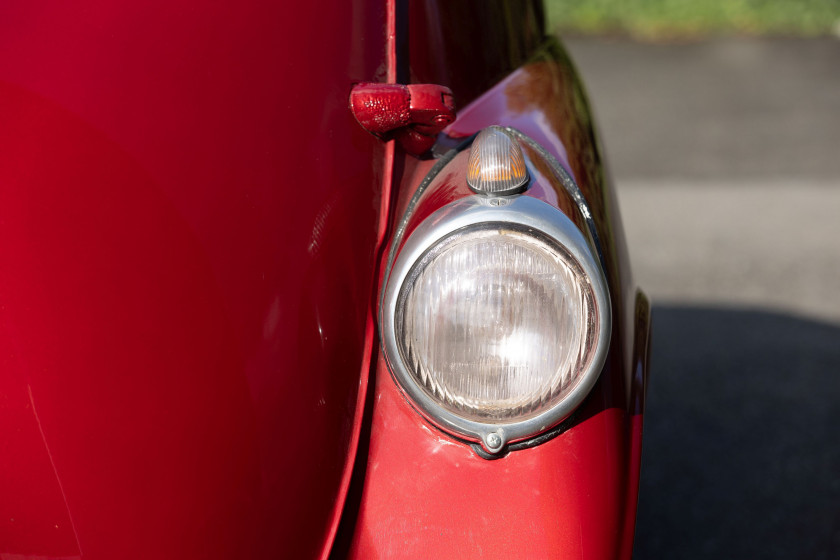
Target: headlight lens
{"points": [[495, 323], [496, 318]]}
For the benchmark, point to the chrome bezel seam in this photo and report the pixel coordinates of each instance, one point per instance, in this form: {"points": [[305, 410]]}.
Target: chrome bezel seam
{"points": [[474, 211]]}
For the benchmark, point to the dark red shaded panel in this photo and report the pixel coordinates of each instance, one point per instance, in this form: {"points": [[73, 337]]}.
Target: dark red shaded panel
{"points": [[470, 45], [188, 220], [121, 336], [33, 516]]}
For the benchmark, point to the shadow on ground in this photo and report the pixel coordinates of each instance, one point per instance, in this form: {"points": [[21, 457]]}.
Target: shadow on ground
{"points": [[742, 437]]}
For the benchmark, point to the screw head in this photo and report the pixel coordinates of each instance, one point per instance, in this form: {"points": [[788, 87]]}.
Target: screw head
{"points": [[494, 441]]}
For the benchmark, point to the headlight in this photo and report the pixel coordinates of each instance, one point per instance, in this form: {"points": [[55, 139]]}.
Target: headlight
{"points": [[496, 319]]}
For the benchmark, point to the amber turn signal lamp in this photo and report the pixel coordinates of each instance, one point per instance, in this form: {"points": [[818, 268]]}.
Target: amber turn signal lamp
{"points": [[496, 166]]}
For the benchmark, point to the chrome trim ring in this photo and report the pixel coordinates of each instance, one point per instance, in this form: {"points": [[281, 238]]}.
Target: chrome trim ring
{"points": [[468, 213]]}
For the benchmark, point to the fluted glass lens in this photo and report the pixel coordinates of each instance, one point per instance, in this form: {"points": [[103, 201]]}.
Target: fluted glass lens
{"points": [[496, 164], [497, 324]]}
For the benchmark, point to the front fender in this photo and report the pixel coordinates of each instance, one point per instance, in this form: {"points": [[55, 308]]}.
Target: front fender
{"points": [[424, 494]]}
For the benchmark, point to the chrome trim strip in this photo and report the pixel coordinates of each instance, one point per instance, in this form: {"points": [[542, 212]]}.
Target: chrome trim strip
{"points": [[568, 183]]}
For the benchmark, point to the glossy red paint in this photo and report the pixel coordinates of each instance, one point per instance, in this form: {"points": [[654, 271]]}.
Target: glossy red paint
{"points": [[384, 204], [412, 114], [427, 496], [424, 494], [189, 220]]}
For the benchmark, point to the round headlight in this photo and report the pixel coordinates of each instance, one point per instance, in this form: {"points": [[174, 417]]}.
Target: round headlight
{"points": [[493, 322], [496, 319]]}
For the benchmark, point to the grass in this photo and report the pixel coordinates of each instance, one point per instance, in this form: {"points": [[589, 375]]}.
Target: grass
{"points": [[670, 19]]}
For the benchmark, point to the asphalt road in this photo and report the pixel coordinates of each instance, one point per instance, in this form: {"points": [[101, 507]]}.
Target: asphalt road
{"points": [[726, 156]]}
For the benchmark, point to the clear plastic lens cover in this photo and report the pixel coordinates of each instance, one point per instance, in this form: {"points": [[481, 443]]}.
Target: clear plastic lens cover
{"points": [[496, 164], [496, 323]]}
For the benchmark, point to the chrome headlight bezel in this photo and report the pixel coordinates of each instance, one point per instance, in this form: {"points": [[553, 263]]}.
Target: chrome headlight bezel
{"points": [[474, 212]]}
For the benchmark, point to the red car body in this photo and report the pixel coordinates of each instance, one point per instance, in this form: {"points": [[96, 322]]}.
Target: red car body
{"points": [[192, 230]]}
